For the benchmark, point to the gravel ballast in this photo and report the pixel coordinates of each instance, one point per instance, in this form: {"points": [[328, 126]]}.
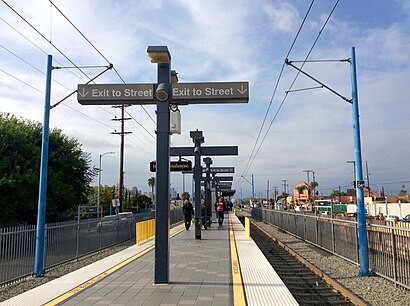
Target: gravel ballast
{"points": [[374, 290]]}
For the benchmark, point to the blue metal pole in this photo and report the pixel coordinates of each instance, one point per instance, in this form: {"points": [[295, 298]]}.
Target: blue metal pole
{"points": [[253, 198], [361, 214], [41, 211]]}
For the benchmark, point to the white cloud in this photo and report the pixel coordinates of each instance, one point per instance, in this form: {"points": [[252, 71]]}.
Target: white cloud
{"points": [[283, 16], [221, 41]]}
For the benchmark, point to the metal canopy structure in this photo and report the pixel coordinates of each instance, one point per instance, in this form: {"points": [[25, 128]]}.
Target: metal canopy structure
{"points": [[197, 151]]}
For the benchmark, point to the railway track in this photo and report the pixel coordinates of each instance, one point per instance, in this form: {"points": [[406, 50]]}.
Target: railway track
{"points": [[305, 286]]}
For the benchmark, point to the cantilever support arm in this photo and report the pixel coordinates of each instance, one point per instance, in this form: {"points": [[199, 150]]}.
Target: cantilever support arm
{"points": [[288, 62]]}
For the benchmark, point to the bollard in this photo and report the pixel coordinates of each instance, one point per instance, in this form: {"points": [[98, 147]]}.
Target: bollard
{"points": [[247, 228]]}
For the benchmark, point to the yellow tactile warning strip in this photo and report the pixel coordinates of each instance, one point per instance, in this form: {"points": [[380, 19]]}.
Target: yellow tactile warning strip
{"points": [[102, 275], [237, 285]]}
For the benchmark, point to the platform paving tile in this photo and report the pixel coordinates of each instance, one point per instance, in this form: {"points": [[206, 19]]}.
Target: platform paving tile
{"points": [[199, 275]]}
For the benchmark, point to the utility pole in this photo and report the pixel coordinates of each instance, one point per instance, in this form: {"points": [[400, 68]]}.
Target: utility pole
{"points": [[267, 193], [368, 179], [314, 185], [307, 172], [275, 192], [284, 183], [340, 195], [122, 133]]}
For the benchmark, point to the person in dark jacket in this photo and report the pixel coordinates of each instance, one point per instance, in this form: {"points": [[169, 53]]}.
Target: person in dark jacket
{"points": [[188, 210]]}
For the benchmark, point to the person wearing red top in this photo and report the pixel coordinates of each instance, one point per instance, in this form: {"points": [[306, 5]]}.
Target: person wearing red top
{"points": [[220, 208]]}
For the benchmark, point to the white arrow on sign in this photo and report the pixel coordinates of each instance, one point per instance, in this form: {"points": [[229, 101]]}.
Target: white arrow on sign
{"points": [[242, 90], [83, 93]]}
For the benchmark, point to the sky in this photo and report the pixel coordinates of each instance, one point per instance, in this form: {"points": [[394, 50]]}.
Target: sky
{"points": [[280, 133]]}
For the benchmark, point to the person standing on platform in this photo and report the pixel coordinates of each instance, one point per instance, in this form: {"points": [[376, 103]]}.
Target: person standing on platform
{"points": [[188, 210], [220, 207]]}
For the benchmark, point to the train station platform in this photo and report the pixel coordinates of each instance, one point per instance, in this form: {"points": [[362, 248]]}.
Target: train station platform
{"points": [[222, 268]]}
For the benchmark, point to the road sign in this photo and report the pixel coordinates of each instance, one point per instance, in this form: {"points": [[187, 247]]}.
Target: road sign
{"points": [[174, 165], [183, 93], [203, 93]]}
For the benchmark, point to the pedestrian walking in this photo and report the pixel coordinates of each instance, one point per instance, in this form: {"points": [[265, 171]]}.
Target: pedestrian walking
{"points": [[220, 207], [188, 210]]}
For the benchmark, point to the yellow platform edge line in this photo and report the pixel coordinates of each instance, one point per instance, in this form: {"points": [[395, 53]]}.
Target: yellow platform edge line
{"points": [[102, 275], [237, 284]]}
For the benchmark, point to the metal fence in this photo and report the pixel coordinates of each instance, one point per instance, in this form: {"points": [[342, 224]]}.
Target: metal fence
{"points": [[389, 245], [64, 241]]}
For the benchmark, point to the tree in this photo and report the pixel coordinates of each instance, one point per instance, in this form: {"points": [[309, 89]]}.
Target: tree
{"points": [[185, 195], [403, 191], [337, 193], [151, 183], [300, 190], [68, 178]]}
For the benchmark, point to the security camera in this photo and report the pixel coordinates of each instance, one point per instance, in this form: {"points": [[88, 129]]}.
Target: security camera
{"points": [[197, 151], [162, 92]]}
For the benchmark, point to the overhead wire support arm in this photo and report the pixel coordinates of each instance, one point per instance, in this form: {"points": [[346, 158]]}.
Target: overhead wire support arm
{"points": [[323, 61], [303, 89], [91, 80], [288, 62]]}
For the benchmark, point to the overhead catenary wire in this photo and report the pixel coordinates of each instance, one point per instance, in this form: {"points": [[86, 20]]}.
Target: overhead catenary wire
{"points": [[39, 33], [43, 93], [247, 166], [35, 45], [96, 49], [38, 70], [140, 124], [75, 66], [295, 78]]}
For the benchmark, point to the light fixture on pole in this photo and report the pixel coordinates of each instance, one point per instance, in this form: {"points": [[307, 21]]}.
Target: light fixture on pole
{"points": [[99, 181]]}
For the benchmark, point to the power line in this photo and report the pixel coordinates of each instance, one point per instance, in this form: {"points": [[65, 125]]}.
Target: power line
{"points": [[140, 125], [248, 164], [96, 49], [294, 80], [35, 45], [39, 33], [42, 92]]}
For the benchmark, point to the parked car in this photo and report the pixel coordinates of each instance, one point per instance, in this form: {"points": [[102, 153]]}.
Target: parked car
{"points": [[392, 218], [108, 223], [126, 219], [406, 218]]}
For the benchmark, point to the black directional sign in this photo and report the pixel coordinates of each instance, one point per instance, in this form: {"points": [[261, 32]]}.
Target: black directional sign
{"points": [[222, 169], [182, 93], [220, 178], [225, 184], [205, 151], [174, 165], [215, 170]]}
